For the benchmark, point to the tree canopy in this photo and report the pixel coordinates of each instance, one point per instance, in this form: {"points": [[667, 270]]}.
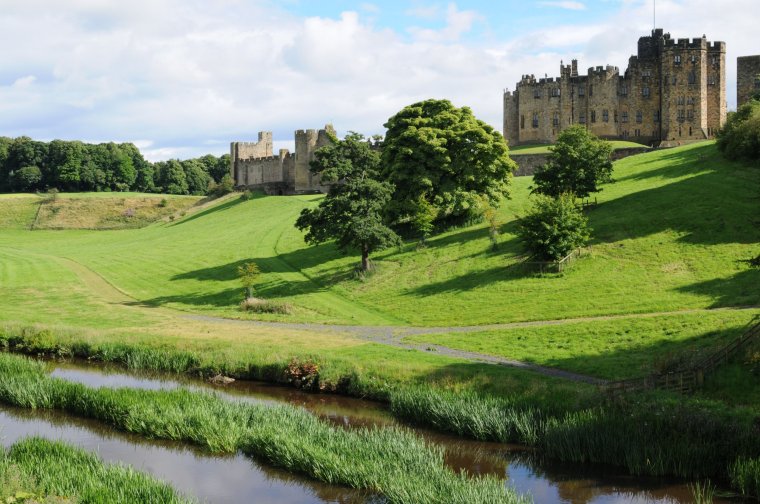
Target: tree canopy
{"points": [[30, 165], [740, 136], [352, 211], [554, 227], [440, 156], [578, 162]]}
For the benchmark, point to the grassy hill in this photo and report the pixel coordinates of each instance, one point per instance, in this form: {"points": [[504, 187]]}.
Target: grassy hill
{"points": [[669, 236], [94, 211], [544, 149]]}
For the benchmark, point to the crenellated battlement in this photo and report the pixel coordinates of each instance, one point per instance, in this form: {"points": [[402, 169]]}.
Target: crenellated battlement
{"points": [[662, 95], [253, 164]]}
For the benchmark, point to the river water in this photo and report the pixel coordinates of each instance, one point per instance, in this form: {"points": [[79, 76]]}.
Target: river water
{"points": [[237, 478]]}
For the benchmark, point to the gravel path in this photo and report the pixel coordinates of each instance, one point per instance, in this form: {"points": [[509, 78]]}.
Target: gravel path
{"points": [[388, 335]]}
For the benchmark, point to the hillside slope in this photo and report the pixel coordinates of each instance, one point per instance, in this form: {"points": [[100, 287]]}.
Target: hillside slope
{"points": [[666, 237]]}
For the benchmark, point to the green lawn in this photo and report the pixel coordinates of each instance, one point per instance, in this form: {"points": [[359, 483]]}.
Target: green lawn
{"points": [[667, 237], [544, 149]]}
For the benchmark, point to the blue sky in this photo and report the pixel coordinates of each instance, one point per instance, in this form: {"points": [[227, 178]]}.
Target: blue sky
{"points": [[182, 78]]}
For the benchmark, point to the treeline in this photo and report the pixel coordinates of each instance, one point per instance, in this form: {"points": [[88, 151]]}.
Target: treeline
{"points": [[28, 165]]}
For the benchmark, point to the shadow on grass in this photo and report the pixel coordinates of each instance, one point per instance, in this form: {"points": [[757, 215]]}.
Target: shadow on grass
{"points": [[741, 289], [714, 206], [218, 208]]}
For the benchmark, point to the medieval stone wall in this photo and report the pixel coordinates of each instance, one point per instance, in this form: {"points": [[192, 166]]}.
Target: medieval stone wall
{"points": [[252, 164], [748, 78]]}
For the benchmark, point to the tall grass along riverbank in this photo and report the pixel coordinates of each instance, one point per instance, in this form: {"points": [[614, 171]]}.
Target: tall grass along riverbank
{"points": [[390, 461], [38, 470]]}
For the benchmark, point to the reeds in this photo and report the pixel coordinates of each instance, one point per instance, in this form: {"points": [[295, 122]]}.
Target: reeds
{"points": [[392, 462], [39, 470], [745, 476]]}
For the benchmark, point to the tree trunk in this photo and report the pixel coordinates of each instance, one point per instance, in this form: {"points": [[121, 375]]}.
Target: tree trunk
{"points": [[365, 258]]}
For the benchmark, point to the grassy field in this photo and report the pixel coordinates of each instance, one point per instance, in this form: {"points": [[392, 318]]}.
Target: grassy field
{"points": [[47, 472], [544, 149], [666, 239]]}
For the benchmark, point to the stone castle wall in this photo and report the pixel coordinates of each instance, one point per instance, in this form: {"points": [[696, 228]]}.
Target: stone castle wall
{"points": [[748, 78], [252, 164], [672, 90]]}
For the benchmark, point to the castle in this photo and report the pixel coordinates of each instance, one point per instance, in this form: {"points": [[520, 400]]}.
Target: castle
{"points": [[747, 78], [673, 91], [253, 164]]}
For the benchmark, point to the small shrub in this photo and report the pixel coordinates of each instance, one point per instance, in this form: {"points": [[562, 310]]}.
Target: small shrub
{"points": [[257, 305], [554, 227], [303, 374], [247, 195], [163, 203], [225, 186]]}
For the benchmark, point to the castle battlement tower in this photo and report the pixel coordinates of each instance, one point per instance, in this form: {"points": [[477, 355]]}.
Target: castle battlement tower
{"points": [[673, 91]]}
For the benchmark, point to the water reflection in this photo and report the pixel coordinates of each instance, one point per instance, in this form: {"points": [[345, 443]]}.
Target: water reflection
{"points": [[521, 468], [210, 478]]}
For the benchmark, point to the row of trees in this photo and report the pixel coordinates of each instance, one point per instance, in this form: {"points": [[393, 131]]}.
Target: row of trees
{"points": [[29, 165], [440, 166]]}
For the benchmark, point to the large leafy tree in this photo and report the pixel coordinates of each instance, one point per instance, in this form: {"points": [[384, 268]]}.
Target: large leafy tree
{"points": [[352, 211], [579, 161], [440, 156]]}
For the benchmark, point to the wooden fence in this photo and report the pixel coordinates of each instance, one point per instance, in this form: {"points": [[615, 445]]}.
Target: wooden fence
{"points": [[689, 379]]}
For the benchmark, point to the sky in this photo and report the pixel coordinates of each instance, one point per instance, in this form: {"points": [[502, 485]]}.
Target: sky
{"points": [[183, 78]]}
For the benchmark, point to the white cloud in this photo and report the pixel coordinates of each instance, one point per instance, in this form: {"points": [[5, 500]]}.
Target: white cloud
{"points": [[189, 77], [569, 5]]}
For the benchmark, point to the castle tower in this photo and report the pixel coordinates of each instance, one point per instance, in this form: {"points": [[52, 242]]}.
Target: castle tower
{"points": [[249, 150], [747, 78], [307, 142]]}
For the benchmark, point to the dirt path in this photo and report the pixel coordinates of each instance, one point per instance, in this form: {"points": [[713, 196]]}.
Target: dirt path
{"points": [[391, 335]]}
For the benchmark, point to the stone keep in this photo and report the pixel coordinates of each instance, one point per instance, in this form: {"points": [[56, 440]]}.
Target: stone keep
{"points": [[253, 165], [673, 91], [747, 78]]}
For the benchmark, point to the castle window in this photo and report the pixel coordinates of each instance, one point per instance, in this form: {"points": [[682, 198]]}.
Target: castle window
{"points": [[624, 117], [656, 116], [646, 73], [680, 100], [681, 114], [711, 80], [645, 91], [675, 80], [639, 117], [690, 133], [536, 92], [616, 116], [581, 91], [555, 119], [714, 60], [677, 59], [690, 115], [535, 119], [593, 116], [692, 77], [690, 100], [582, 118], [522, 122], [555, 92], [693, 58], [623, 90], [605, 116]]}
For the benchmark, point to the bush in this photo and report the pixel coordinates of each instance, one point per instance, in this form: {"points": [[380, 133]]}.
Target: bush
{"points": [[740, 136], [225, 186], [554, 227], [257, 305]]}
